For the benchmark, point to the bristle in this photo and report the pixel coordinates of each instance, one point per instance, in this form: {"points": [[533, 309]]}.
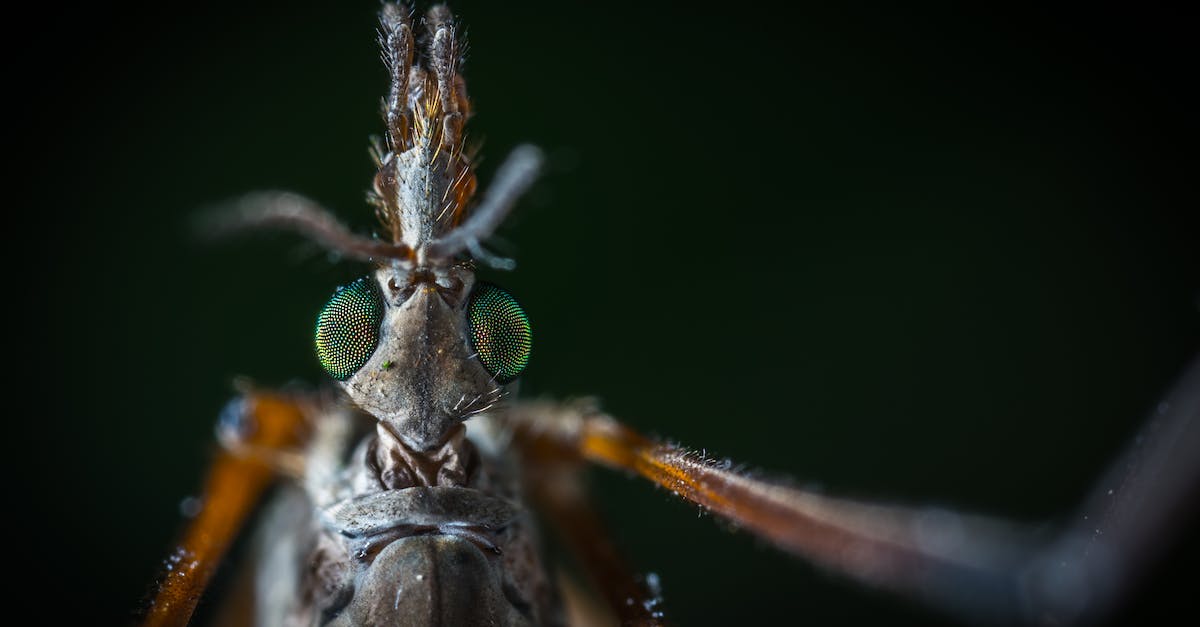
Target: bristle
{"points": [[425, 110]]}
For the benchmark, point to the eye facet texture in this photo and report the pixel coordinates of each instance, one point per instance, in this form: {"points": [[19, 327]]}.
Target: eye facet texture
{"points": [[347, 331], [500, 332]]}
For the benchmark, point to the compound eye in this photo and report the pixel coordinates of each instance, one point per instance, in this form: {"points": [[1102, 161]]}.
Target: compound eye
{"points": [[500, 332], [348, 328]]}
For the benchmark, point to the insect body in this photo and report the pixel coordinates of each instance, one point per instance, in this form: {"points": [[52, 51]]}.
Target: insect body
{"points": [[413, 523], [419, 527], [402, 512]]}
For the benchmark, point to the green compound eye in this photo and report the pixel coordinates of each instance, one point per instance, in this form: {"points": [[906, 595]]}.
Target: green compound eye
{"points": [[348, 328], [500, 332]]}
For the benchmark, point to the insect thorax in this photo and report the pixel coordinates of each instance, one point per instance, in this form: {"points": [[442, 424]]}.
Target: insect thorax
{"points": [[454, 547]]}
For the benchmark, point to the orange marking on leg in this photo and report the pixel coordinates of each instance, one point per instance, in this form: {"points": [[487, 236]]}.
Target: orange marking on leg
{"points": [[233, 486]]}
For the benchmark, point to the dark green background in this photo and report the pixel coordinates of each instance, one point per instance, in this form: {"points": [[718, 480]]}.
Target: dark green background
{"points": [[937, 255]]}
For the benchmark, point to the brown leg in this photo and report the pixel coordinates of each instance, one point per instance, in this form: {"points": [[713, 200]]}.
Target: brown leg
{"points": [[262, 432], [557, 488], [977, 568], [964, 564]]}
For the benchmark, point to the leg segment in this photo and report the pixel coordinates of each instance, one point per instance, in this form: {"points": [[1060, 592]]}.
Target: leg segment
{"points": [[557, 488], [1146, 500], [960, 563], [270, 423], [977, 568]]}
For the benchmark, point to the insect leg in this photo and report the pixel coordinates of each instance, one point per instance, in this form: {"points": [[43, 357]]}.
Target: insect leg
{"points": [[977, 568], [559, 492], [1148, 497], [963, 564], [266, 422]]}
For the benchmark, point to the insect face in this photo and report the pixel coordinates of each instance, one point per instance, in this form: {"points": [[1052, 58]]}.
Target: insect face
{"points": [[423, 350]]}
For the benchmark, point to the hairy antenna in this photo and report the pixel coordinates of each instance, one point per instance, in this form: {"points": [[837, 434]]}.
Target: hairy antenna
{"points": [[515, 176], [285, 210]]}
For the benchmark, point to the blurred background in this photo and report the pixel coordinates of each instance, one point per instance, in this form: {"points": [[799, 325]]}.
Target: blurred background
{"points": [[938, 255]]}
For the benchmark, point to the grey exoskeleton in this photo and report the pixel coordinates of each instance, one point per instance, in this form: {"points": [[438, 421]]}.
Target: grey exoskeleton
{"points": [[420, 521], [412, 486]]}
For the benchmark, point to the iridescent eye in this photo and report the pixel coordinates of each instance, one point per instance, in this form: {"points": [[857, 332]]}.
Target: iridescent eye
{"points": [[500, 331], [348, 328]]}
